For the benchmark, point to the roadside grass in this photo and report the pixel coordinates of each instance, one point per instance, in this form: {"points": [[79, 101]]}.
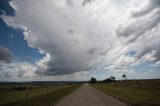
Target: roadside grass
{"points": [[37, 96], [146, 93]]}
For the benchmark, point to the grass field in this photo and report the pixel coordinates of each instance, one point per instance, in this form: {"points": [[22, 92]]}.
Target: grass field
{"points": [[37, 96], [141, 92]]}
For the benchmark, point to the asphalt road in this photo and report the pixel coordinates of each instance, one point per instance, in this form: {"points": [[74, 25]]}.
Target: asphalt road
{"points": [[89, 96]]}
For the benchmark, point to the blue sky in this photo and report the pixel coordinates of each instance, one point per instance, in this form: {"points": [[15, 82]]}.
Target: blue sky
{"points": [[75, 40], [13, 39]]}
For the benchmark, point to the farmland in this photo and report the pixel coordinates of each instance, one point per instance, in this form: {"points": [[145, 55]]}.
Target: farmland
{"points": [[38, 95], [133, 92]]}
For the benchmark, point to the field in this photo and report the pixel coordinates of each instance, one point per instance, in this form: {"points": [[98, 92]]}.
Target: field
{"points": [[133, 92], [41, 95]]}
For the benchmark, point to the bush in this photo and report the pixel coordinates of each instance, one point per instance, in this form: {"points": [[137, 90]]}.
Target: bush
{"points": [[19, 88], [107, 80]]}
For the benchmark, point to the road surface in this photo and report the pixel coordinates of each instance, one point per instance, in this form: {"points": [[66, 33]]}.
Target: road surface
{"points": [[89, 96]]}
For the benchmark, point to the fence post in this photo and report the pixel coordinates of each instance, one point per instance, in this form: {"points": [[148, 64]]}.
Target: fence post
{"points": [[27, 94]]}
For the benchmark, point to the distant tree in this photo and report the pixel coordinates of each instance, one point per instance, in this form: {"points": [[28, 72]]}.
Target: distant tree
{"points": [[112, 78], [124, 77], [107, 80], [93, 80]]}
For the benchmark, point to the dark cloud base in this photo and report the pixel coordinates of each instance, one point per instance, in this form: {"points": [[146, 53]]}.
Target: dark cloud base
{"points": [[5, 55]]}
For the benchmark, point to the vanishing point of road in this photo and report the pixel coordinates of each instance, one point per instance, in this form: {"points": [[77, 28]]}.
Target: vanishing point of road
{"points": [[89, 96]]}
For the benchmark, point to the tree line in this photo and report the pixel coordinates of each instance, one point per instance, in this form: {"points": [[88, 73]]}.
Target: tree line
{"points": [[109, 79]]}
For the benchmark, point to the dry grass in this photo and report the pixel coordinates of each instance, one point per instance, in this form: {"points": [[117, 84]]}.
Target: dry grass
{"points": [[141, 92], [37, 96]]}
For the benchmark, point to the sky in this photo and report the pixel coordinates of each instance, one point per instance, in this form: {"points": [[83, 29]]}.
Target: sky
{"points": [[57, 40]]}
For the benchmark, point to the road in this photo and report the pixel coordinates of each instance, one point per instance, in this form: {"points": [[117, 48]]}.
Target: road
{"points": [[89, 96]]}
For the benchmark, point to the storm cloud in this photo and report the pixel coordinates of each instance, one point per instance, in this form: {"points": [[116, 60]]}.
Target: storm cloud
{"points": [[5, 55], [77, 35], [50, 35]]}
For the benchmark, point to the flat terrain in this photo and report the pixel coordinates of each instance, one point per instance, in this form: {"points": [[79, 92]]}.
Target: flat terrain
{"points": [[130, 92], [133, 92], [88, 96], [38, 96]]}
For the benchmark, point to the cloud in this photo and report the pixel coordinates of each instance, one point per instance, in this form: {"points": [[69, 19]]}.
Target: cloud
{"points": [[148, 6], [92, 51], [142, 31], [77, 36], [20, 71], [5, 55], [86, 1], [49, 33], [6, 8], [139, 27]]}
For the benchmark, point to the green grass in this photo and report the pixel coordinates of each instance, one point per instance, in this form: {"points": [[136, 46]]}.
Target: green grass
{"points": [[37, 96], [145, 93]]}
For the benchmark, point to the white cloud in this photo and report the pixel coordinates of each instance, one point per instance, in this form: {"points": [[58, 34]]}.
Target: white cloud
{"points": [[143, 30], [20, 71], [79, 35]]}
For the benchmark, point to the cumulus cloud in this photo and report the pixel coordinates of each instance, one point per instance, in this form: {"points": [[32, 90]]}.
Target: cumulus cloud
{"points": [[49, 33], [76, 36], [147, 7], [5, 55], [19, 71], [139, 27], [143, 31]]}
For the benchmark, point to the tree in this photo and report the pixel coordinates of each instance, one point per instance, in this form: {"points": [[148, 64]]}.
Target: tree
{"points": [[107, 80], [93, 80], [112, 78], [124, 77]]}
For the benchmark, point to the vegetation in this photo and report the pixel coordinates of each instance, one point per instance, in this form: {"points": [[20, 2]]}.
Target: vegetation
{"points": [[110, 79], [37, 96], [146, 95], [124, 77], [93, 80]]}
